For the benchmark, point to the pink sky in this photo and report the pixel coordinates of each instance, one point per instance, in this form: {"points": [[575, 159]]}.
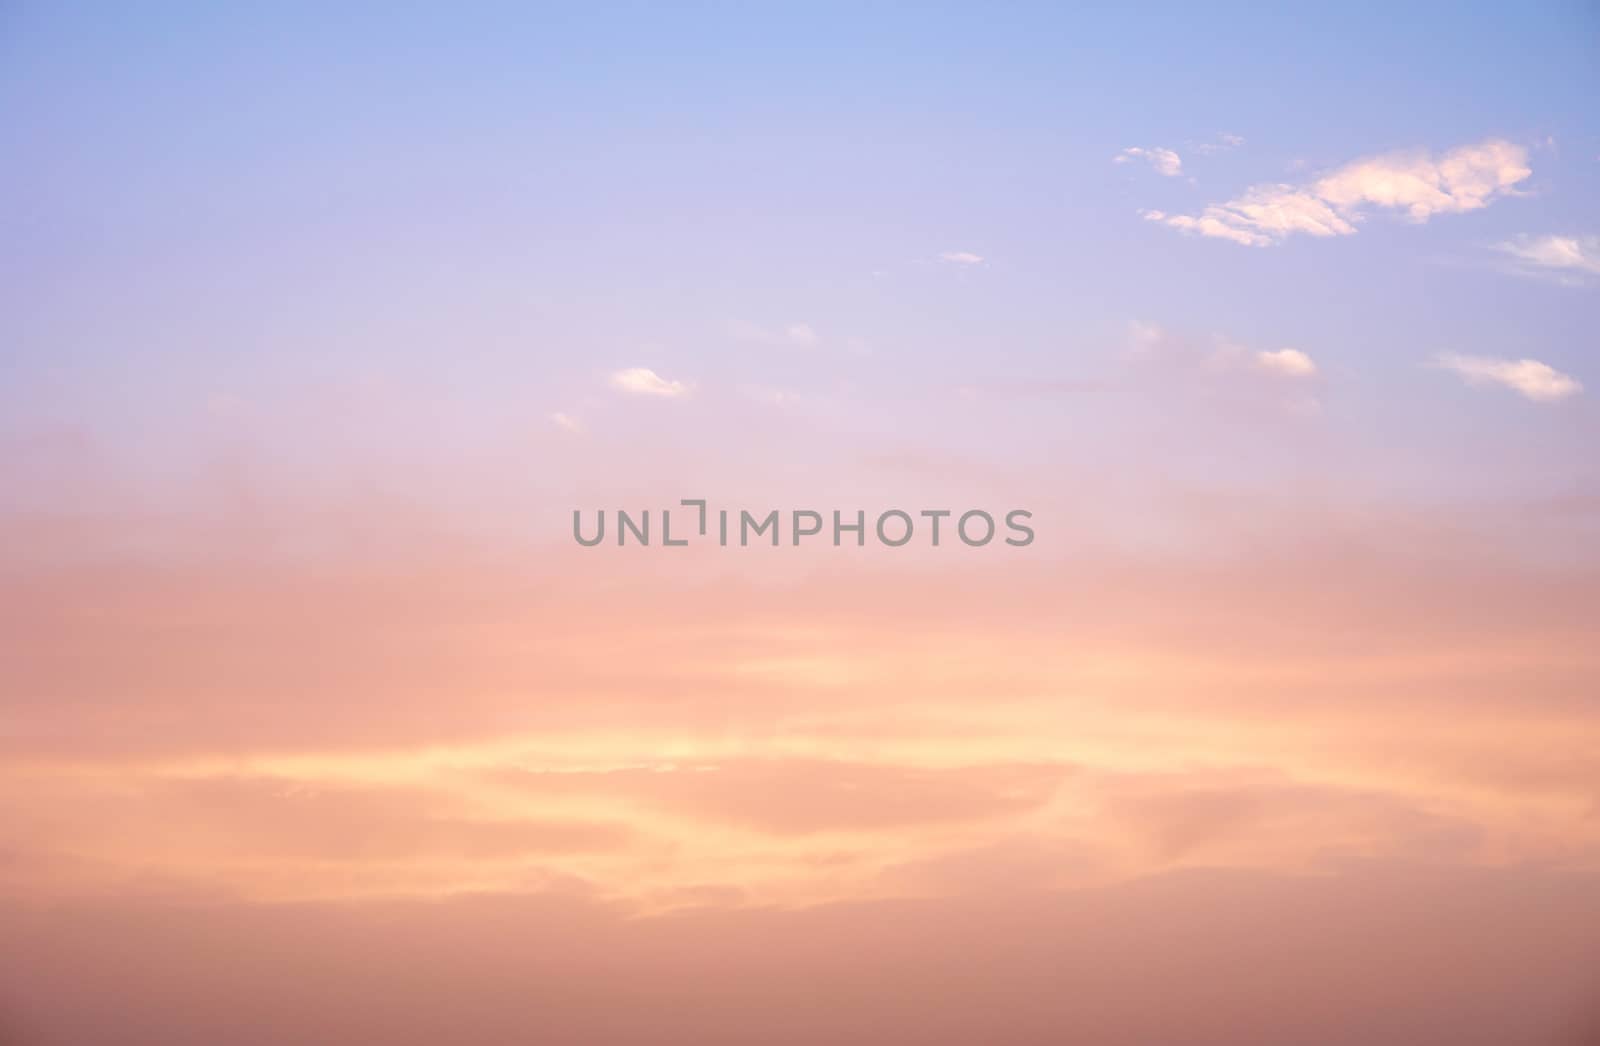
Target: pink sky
{"points": [[316, 327]]}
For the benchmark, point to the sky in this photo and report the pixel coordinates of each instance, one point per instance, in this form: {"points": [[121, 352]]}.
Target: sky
{"points": [[317, 327]]}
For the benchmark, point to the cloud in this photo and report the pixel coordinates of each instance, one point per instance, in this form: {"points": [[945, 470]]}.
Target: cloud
{"points": [[1415, 183], [1206, 226], [1151, 343], [961, 257], [1565, 259], [566, 421], [1144, 337], [801, 334], [1224, 374], [1222, 143], [642, 381], [804, 796], [772, 397], [288, 818], [1205, 957], [1537, 381], [1165, 161], [1291, 363], [1233, 816], [1280, 363]]}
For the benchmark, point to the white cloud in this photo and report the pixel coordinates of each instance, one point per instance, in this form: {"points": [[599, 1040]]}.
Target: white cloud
{"points": [[961, 257], [642, 381], [1224, 371], [1165, 161], [566, 421], [1535, 380], [1290, 363], [1281, 363], [1464, 179], [1217, 355], [1565, 259]]}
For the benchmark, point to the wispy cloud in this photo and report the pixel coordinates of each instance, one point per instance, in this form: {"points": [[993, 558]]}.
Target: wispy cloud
{"points": [[562, 420], [770, 396], [1569, 260], [642, 381], [1226, 374], [1143, 337], [961, 257], [1165, 161], [1536, 381], [1152, 343], [1416, 183], [1222, 143], [801, 334]]}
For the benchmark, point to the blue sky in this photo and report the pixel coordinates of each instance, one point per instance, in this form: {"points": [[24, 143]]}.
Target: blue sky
{"points": [[496, 207]]}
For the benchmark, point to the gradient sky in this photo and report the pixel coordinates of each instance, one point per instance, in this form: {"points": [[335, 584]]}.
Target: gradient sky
{"points": [[316, 327]]}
